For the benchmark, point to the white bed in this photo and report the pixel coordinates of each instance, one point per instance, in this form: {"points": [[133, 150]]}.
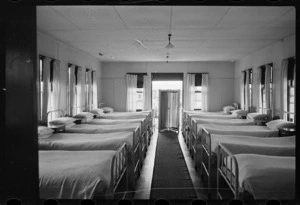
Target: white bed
{"points": [[276, 146], [80, 141], [77, 174], [255, 130], [263, 176], [93, 129], [231, 122], [97, 121], [105, 141], [125, 115]]}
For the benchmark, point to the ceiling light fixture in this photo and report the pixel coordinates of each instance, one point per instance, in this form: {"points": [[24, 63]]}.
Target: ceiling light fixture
{"points": [[170, 45], [167, 59]]}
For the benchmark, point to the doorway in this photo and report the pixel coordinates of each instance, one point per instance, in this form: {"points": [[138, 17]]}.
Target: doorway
{"points": [[164, 85]]}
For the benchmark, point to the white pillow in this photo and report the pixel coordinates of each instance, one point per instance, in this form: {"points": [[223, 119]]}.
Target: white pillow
{"points": [[83, 115], [44, 131], [228, 108], [62, 121], [107, 109], [97, 112], [276, 124], [239, 112], [258, 116]]}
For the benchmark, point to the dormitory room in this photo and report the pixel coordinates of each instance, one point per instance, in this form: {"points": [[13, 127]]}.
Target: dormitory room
{"points": [[149, 102]]}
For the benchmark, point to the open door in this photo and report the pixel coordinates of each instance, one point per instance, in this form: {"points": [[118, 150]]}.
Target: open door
{"points": [[169, 104]]}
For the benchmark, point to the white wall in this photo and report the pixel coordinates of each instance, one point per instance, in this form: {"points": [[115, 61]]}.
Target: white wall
{"points": [[271, 54], [221, 76], [52, 48]]}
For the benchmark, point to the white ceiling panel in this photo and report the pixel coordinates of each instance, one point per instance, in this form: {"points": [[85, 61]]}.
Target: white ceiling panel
{"points": [[91, 17], [49, 19], [197, 17], [140, 33], [145, 16], [287, 20], [251, 16]]}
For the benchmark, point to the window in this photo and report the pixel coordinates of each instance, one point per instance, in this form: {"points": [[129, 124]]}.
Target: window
{"points": [[87, 88], [290, 115], [41, 87], [139, 99], [266, 101], [139, 91], [69, 90], [248, 89], [198, 98], [198, 92]]}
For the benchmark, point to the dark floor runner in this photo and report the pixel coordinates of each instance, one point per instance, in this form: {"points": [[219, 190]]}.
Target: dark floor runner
{"points": [[171, 179]]}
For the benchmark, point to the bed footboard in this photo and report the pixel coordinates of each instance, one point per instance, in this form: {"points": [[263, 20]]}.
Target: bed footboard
{"points": [[119, 170], [205, 157], [228, 170]]}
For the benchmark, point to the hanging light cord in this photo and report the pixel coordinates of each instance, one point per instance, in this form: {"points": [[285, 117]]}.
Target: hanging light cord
{"points": [[170, 20]]}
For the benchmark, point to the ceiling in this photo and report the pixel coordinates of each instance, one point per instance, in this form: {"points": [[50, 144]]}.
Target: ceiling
{"points": [[199, 33]]}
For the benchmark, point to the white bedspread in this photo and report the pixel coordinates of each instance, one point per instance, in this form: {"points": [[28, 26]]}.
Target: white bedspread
{"points": [[232, 122], [254, 130], [279, 146], [114, 121], [75, 141], [267, 177], [124, 115], [74, 174], [93, 129], [214, 116]]}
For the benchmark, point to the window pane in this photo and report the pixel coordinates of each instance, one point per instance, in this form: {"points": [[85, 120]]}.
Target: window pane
{"points": [[292, 110], [198, 105], [292, 90]]}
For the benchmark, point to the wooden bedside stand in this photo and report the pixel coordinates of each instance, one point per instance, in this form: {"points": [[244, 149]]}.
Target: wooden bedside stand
{"points": [[284, 132], [58, 128]]}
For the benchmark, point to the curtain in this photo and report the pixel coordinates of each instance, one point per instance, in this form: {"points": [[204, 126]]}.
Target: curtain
{"points": [[55, 94], [259, 74], [46, 88], [269, 95], [72, 92], [95, 99], [243, 90], [173, 100], [79, 90], [189, 90], [147, 92], [247, 93], [205, 92], [283, 93], [131, 83]]}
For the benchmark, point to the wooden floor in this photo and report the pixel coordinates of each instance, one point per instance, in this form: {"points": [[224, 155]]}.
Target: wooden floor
{"points": [[144, 183]]}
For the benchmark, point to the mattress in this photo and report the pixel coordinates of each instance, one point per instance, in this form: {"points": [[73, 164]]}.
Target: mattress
{"points": [[80, 141], [74, 174], [255, 131], [277, 146], [114, 121], [267, 177], [233, 122], [93, 129]]}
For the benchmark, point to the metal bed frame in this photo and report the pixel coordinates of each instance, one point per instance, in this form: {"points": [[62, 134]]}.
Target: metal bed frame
{"points": [[119, 170], [222, 170], [204, 139], [137, 144]]}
